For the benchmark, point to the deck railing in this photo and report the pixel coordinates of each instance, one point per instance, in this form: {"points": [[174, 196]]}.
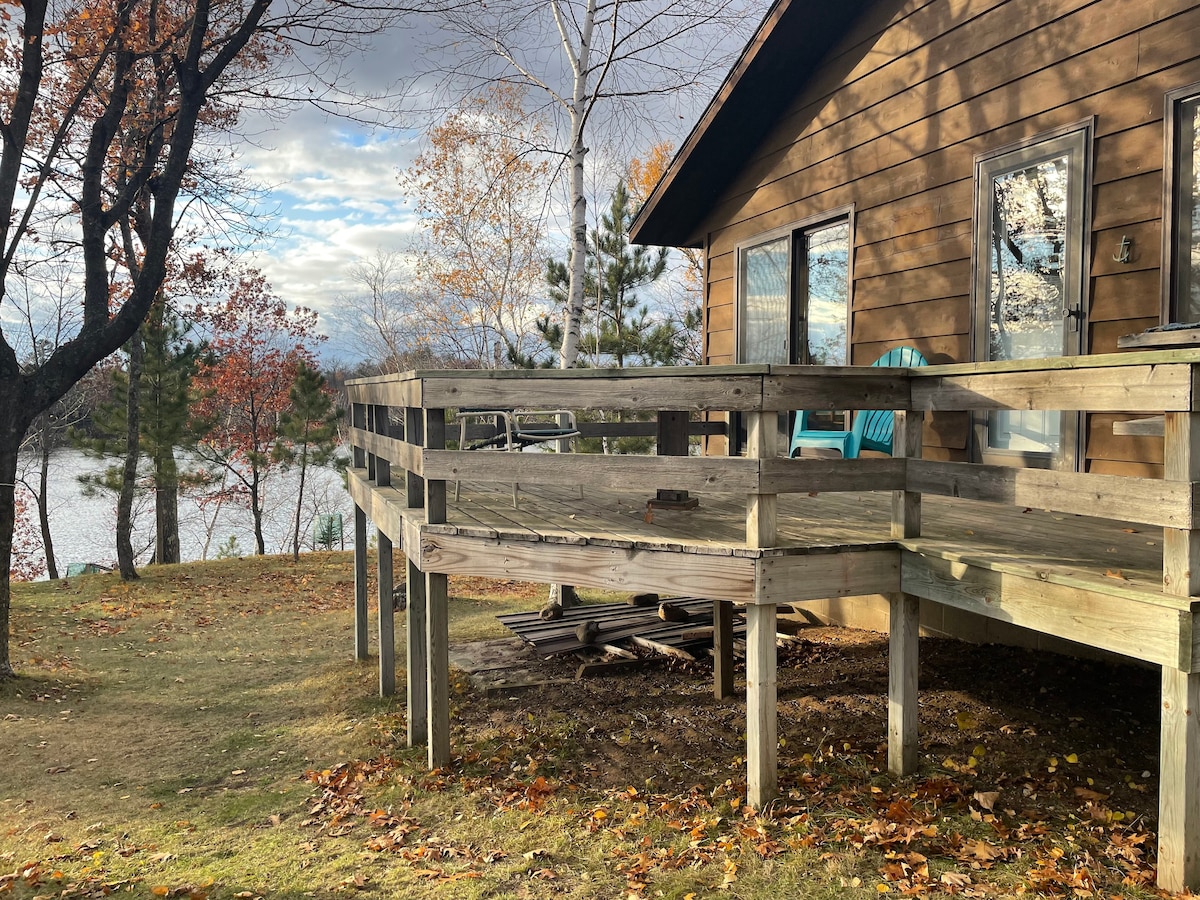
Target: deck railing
{"points": [[399, 430]]}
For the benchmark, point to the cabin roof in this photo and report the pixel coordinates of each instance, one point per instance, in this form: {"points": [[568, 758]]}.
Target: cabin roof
{"points": [[785, 51]]}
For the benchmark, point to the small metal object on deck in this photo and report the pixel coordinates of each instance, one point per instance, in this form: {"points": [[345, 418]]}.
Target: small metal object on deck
{"points": [[673, 500]]}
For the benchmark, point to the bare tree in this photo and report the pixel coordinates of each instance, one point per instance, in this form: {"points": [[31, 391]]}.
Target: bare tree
{"points": [[610, 61], [103, 102]]}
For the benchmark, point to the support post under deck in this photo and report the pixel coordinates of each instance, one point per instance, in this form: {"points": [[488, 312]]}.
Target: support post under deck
{"points": [[722, 649], [416, 609], [904, 624], [762, 741], [1179, 752], [360, 583], [387, 620], [437, 598]]}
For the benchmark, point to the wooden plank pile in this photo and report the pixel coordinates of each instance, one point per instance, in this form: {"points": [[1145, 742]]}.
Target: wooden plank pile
{"points": [[681, 627]]}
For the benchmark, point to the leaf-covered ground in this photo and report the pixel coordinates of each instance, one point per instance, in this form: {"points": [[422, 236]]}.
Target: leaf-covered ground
{"points": [[206, 733]]}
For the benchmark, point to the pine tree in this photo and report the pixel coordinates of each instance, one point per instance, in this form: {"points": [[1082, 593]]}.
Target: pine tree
{"points": [[148, 418], [308, 432]]}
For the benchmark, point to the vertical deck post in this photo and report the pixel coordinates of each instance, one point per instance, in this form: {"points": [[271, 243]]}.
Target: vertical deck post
{"points": [[722, 649], [387, 614], [1179, 752], [905, 612], [360, 582], [387, 620], [437, 612], [762, 742], [417, 632]]}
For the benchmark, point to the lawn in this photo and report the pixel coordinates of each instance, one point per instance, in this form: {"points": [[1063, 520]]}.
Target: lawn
{"points": [[206, 733]]}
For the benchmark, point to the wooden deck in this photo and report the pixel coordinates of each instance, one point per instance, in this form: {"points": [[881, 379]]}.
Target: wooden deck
{"points": [[1106, 561]]}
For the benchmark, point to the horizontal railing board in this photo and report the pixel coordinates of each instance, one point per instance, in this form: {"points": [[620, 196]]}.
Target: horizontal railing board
{"points": [[383, 505], [817, 475], [1114, 389], [1150, 632], [1147, 501], [844, 387], [690, 393], [396, 451], [608, 429], [611, 568], [689, 473], [386, 393]]}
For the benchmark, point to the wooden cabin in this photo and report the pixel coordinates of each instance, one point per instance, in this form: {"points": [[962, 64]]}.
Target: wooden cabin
{"points": [[1010, 187], [982, 180]]}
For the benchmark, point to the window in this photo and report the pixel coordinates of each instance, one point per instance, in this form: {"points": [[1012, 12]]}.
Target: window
{"points": [[1181, 225], [794, 296], [1030, 232]]}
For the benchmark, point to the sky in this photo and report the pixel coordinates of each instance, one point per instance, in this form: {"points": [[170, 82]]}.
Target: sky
{"points": [[333, 192]]}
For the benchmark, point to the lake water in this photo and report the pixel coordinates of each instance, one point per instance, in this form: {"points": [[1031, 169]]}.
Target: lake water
{"points": [[84, 528]]}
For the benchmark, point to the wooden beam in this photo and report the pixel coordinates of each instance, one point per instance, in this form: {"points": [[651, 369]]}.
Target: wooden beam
{"points": [[1181, 544], [762, 740], [435, 488], [387, 620], [384, 506], [414, 435], [826, 572], [907, 434], [1149, 501], [836, 387], [614, 568], [417, 660], [714, 473], [1179, 782], [358, 421], [722, 649], [810, 474], [361, 650], [1155, 632], [1150, 388], [438, 657], [903, 648], [762, 510], [398, 452], [694, 391]]}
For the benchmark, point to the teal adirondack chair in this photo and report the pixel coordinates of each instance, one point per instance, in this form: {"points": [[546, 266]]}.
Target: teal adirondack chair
{"points": [[872, 429]]}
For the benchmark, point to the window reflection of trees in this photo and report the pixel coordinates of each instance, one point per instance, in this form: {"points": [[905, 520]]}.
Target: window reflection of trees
{"points": [[1026, 287]]}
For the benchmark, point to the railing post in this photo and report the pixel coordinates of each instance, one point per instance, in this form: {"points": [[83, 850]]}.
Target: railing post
{"points": [[378, 417], [1179, 754], [904, 623], [762, 742], [358, 419], [360, 582], [370, 426], [417, 633], [438, 600]]}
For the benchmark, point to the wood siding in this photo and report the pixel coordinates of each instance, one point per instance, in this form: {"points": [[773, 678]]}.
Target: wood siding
{"points": [[892, 124]]}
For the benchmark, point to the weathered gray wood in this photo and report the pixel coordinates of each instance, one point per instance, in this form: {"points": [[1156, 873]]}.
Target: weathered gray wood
{"points": [[696, 391], [386, 390], [383, 506], [1181, 544], [416, 645], [414, 436], [903, 632], [1150, 501], [659, 647], [812, 474], [836, 387], [594, 469], [1128, 389], [722, 649], [383, 465], [762, 520], [387, 620], [395, 450], [1152, 632], [1149, 426], [360, 584], [762, 741], [435, 488], [827, 573], [1179, 781], [1147, 340], [438, 657], [672, 433], [358, 421], [371, 456], [615, 568], [906, 445]]}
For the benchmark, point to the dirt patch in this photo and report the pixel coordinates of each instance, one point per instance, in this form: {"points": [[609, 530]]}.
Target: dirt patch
{"points": [[1040, 729]]}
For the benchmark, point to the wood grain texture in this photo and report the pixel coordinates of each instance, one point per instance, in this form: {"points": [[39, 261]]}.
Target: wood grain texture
{"points": [[361, 642], [417, 661], [833, 572], [387, 620], [1179, 774], [762, 735], [438, 660], [904, 626]]}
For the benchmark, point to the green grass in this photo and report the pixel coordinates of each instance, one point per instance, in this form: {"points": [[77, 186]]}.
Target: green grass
{"points": [[204, 732]]}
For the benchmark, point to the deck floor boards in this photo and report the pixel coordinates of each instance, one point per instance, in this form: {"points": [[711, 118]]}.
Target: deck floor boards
{"points": [[1109, 552]]}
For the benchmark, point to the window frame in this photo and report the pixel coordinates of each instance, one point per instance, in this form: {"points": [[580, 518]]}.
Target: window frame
{"points": [[795, 348], [1077, 141], [1172, 132]]}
